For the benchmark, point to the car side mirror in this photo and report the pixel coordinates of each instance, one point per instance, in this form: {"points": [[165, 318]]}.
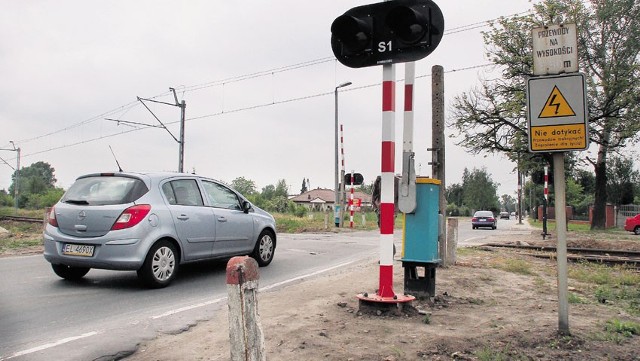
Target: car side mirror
{"points": [[246, 206]]}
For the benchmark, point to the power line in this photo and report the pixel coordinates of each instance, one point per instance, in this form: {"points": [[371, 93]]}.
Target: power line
{"points": [[247, 108], [127, 107]]}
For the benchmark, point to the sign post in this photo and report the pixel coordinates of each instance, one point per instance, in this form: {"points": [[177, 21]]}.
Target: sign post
{"points": [[557, 122]]}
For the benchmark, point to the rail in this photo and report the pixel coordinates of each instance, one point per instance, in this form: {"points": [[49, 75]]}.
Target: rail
{"points": [[604, 256], [21, 219]]}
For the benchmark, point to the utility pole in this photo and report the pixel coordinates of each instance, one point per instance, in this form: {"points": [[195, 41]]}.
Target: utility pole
{"points": [[438, 149], [183, 106], [16, 185]]}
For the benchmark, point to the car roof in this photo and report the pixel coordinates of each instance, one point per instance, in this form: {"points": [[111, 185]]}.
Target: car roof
{"points": [[148, 175]]}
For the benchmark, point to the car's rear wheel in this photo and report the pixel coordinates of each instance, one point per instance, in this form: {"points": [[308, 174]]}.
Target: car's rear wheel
{"points": [[637, 230], [265, 248], [160, 266], [68, 272]]}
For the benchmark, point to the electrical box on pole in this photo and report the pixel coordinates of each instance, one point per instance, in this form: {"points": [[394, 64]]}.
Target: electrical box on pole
{"points": [[389, 32]]}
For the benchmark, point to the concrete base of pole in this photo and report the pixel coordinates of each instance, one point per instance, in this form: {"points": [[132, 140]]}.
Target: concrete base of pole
{"points": [[374, 303]]}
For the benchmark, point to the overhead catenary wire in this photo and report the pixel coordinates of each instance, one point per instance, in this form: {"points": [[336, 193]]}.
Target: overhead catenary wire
{"points": [[127, 107]]}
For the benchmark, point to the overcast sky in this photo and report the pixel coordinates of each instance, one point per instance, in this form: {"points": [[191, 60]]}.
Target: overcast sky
{"points": [[258, 78]]}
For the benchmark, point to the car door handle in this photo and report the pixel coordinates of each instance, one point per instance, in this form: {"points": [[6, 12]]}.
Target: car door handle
{"points": [[183, 217], [222, 219]]}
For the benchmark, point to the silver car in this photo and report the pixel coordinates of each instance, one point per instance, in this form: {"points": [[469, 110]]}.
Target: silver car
{"points": [[152, 223]]}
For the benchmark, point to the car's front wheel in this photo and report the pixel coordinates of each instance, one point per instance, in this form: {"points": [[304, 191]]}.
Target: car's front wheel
{"points": [[68, 272], [160, 266], [637, 230], [265, 248]]}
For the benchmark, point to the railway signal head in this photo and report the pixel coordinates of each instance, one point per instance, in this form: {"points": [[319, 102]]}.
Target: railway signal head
{"points": [[388, 32]]}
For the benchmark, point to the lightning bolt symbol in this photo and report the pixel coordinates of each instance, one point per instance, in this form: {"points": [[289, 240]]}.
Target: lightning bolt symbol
{"points": [[552, 103]]}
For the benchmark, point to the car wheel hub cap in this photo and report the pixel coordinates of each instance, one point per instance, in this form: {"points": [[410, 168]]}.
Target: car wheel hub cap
{"points": [[266, 247], [163, 263]]}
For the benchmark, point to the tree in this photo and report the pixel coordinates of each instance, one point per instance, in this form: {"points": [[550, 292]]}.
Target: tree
{"points": [[245, 186], [480, 192], [304, 186], [454, 194], [508, 203], [492, 118], [621, 178], [36, 179]]}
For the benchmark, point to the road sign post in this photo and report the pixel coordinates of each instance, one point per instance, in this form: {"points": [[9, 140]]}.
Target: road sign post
{"points": [[557, 122]]}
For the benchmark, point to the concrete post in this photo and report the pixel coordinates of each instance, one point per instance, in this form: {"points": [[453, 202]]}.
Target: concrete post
{"points": [[438, 146], [245, 331], [452, 241]]}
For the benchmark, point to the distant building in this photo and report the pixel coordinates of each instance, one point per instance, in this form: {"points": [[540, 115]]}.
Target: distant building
{"points": [[321, 200]]}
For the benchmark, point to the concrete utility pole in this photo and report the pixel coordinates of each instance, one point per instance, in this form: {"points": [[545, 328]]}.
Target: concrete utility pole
{"points": [[438, 149], [183, 106], [16, 185]]}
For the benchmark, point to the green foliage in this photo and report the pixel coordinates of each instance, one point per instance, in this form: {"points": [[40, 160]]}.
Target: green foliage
{"points": [[508, 203], [47, 199], [490, 353], [517, 266], [492, 118], [5, 199], [34, 180], [615, 285], [245, 186], [621, 178], [480, 192], [625, 328]]}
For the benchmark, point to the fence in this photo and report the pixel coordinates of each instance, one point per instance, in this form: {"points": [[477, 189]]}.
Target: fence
{"points": [[622, 212]]}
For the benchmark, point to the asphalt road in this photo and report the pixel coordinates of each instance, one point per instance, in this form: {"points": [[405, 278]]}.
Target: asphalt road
{"points": [[43, 317]]}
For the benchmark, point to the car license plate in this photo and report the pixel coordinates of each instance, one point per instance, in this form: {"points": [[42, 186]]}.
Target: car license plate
{"points": [[483, 219], [82, 250]]}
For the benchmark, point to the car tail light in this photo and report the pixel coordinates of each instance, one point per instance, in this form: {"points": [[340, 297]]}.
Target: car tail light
{"points": [[474, 219], [52, 217], [131, 216]]}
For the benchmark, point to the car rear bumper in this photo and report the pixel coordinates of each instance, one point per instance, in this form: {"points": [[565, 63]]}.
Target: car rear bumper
{"points": [[114, 254], [483, 224]]}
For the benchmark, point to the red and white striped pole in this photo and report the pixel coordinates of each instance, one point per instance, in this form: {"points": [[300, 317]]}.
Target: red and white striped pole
{"points": [[546, 203], [385, 295], [546, 183], [387, 207], [351, 203], [342, 173]]}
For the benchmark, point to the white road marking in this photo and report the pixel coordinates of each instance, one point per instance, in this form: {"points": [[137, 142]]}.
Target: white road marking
{"points": [[52, 344]]}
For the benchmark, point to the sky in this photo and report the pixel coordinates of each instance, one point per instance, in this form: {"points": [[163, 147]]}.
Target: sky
{"points": [[258, 79]]}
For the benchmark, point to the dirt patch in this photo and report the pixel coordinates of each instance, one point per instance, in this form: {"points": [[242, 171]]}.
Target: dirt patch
{"points": [[482, 311]]}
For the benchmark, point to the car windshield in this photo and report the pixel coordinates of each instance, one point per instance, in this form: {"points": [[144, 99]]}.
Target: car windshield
{"points": [[483, 214], [104, 190]]}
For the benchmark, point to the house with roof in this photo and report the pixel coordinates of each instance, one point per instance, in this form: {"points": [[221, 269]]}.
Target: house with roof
{"points": [[322, 199]]}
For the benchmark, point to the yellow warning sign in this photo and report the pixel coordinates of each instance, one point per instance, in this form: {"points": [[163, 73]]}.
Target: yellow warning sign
{"points": [[559, 137], [556, 106]]}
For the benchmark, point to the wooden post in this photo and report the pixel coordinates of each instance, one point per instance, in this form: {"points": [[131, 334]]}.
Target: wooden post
{"points": [[245, 331]]}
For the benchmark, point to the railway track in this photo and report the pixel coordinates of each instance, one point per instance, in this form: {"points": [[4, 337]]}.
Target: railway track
{"points": [[604, 256], [21, 219]]}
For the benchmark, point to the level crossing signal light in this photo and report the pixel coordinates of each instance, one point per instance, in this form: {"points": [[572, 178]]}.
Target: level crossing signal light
{"points": [[389, 32], [358, 179]]}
